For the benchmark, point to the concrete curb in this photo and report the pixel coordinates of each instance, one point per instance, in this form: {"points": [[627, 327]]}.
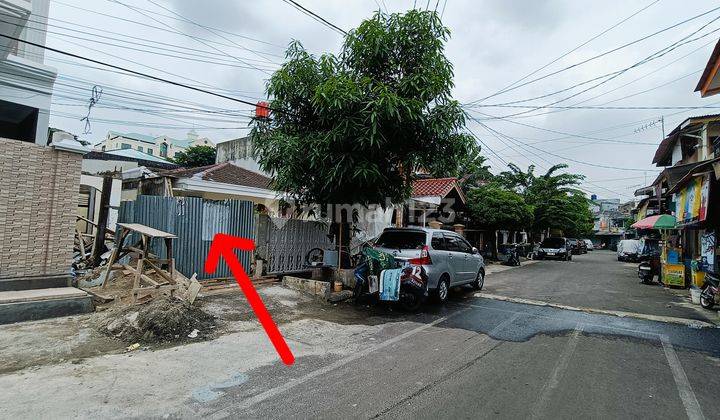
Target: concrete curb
{"points": [[499, 268], [320, 289], [694, 323]]}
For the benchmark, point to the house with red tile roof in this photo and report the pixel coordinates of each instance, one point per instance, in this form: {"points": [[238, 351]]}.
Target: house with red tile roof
{"points": [[434, 199]]}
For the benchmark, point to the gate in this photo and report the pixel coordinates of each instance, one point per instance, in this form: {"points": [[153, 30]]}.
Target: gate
{"points": [[283, 243], [195, 221]]}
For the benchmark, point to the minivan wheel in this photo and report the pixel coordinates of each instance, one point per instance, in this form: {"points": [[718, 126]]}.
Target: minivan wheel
{"points": [[479, 280], [443, 290]]}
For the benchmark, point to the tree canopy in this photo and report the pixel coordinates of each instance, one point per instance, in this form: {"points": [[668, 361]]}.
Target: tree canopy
{"points": [[195, 156], [554, 197], [354, 128], [495, 207]]}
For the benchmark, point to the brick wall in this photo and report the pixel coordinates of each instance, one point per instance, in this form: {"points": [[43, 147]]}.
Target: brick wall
{"points": [[39, 189]]}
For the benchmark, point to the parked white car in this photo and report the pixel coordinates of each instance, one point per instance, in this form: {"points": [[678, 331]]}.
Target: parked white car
{"points": [[590, 245], [628, 250], [449, 260]]}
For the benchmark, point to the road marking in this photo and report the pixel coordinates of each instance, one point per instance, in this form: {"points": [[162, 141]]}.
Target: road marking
{"points": [[554, 379], [483, 350], [292, 383], [692, 406]]}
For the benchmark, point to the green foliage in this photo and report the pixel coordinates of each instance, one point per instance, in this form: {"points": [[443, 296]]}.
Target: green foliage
{"points": [[556, 201], [354, 128], [495, 207], [473, 169], [195, 156]]}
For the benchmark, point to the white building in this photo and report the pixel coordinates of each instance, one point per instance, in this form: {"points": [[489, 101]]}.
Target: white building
{"points": [[163, 146], [240, 152], [26, 84]]}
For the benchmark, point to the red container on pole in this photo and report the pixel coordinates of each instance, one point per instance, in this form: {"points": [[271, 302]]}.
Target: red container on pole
{"points": [[262, 110]]}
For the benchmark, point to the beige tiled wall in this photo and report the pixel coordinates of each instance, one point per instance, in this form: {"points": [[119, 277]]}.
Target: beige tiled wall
{"points": [[39, 189]]}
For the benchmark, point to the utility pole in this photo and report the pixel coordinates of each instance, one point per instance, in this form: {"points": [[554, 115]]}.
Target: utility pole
{"points": [[662, 124]]}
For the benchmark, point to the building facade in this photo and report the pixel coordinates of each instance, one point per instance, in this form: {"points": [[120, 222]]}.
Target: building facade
{"points": [[162, 146], [239, 152], [26, 83]]}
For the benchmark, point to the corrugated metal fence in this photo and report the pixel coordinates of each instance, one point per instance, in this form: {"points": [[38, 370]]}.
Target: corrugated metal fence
{"points": [[195, 221], [284, 243]]}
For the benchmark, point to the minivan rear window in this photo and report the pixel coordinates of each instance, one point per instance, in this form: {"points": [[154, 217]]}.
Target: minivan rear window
{"points": [[401, 239], [553, 243]]}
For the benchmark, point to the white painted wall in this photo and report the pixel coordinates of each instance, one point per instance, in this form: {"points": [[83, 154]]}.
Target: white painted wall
{"points": [[26, 80]]}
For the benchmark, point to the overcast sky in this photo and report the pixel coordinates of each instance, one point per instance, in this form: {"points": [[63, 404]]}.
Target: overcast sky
{"points": [[493, 44]]}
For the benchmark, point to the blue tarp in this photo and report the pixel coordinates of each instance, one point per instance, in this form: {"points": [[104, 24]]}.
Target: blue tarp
{"points": [[390, 284]]}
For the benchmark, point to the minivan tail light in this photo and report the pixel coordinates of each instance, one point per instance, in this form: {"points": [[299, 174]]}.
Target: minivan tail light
{"points": [[424, 257]]}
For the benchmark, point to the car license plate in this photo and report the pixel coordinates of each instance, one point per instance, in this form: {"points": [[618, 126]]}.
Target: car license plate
{"points": [[551, 254]]}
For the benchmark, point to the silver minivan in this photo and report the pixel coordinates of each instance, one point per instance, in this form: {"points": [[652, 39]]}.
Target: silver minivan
{"points": [[447, 257]]}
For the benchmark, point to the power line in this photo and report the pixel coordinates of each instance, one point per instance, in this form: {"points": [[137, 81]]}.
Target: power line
{"points": [[188, 35], [660, 53], [570, 159], [519, 143], [162, 29], [315, 16], [576, 48], [482, 143], [595, 57], [626, 84], [149, 76], [211, 30], [547, 129], [601, 107]]}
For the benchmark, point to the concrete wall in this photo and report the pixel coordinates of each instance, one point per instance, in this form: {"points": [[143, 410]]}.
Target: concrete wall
{"points": [[239, 152], [39, 190]]}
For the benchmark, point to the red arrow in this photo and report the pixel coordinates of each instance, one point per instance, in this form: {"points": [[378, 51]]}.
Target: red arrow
{"points": [[224, 245]]}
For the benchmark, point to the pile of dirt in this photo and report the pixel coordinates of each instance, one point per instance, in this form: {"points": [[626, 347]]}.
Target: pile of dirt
{"points": [[161, 320]]}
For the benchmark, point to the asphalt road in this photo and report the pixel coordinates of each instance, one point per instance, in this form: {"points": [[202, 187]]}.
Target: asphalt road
{"points": [[473, 357], [594, 280], [483, 358]]}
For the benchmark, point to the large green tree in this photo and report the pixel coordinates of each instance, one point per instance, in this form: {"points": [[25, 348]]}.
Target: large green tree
{"points": [[554, 196], [195, 156], [354, 127], [474, 169], [494, 207]]}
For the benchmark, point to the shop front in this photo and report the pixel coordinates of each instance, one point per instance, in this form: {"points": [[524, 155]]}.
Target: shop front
{"points": [[689, 251]]}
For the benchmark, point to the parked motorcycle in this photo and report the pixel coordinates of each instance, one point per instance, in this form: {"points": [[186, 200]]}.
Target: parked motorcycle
{"points": [[649, 267], [710, 293], [413, 279], [513, 256]]}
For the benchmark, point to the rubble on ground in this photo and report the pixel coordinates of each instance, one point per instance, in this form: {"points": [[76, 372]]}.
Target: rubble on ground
{"points": [[162, 320]]}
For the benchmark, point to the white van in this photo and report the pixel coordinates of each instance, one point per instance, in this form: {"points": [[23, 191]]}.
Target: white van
{"points": [[629, 250]]}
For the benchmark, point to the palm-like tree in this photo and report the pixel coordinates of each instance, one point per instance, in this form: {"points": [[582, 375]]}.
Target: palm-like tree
{"points": [[549, 194]]}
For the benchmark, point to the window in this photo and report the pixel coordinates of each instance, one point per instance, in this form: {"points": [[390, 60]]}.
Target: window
{"points": [[140, 149], [401, 239], [149, 151], [18, 122], [103, 148], [125, 146], [163, 149], [438, 242], [457, 244], [553, 243]]}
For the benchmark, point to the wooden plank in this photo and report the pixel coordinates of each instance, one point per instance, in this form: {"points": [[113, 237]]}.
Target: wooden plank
{"points": [[114, 257], [148, 279], [146, 230], [160, 272]]}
